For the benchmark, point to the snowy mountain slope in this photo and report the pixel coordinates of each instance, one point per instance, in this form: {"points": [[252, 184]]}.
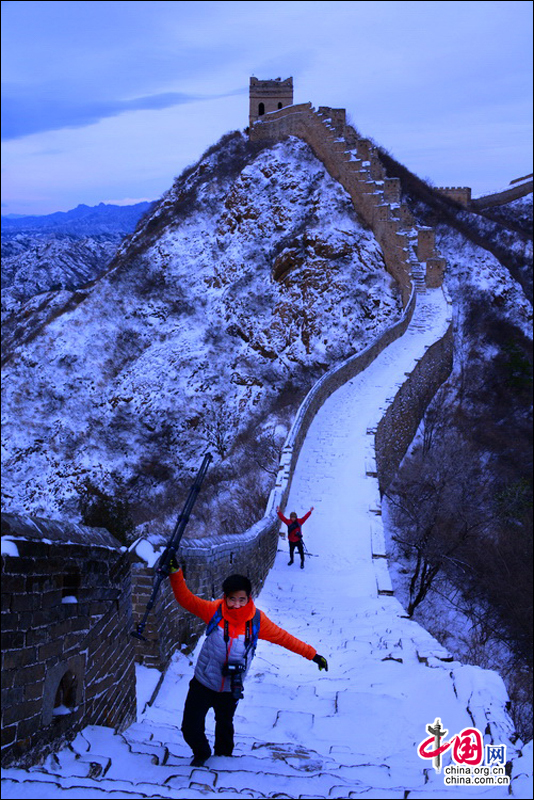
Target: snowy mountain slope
{"points": [[250, 278], [62, 250], [352, 731], [35, 264]]}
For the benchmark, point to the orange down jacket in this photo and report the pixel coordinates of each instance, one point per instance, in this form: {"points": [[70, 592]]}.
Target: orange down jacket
{"points": [[205, 609]]}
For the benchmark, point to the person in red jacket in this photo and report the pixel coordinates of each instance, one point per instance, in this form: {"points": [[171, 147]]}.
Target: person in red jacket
{"points": [[294, 534], [234, 625]]}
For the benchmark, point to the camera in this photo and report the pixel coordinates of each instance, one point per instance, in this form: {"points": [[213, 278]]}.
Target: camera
{"points": [[235, 673]]}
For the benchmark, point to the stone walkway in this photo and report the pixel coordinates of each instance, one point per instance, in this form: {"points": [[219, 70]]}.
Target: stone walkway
{"points": [[352, 732]]}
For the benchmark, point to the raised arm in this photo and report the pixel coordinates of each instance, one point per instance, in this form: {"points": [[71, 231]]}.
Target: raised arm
{"points": [[303, 519], [281, 516], [205, 609]]}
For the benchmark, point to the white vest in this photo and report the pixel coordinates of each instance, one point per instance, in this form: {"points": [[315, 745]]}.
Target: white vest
{"points": [[215, 653]]}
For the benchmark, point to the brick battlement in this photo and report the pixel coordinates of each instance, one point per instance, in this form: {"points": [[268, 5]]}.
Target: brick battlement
{"points": [[461, 194], [354, 162]]}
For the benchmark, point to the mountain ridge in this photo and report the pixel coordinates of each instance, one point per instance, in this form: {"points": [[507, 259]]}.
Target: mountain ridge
{"points": [[30, 222], [82, 220]]}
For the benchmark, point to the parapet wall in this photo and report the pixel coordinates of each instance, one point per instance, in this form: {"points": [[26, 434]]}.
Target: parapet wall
{"points": [[67, 657], [461, 194], [514, 192], [355, 163], [397, 428]]}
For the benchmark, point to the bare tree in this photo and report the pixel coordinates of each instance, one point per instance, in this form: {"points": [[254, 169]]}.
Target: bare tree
{"points": [[436, 503], [268, 452], [218, 426]]}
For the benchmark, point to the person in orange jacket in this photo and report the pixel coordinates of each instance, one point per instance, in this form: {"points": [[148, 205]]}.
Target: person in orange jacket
{"points": [[234, 625], [294, 534]]}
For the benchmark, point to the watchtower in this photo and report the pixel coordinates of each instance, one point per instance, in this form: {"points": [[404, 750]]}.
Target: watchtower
{"points": [[266, 96]]}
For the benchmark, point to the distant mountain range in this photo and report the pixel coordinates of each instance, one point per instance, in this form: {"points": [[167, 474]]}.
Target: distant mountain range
{"points": [[80, 221], [64, 250]]}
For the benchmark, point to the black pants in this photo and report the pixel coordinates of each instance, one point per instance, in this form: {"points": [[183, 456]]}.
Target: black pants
{"points": [[300, 548], [198, 702]]}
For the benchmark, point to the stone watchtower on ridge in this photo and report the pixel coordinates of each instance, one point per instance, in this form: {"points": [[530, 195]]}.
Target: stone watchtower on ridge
{"points": [[266, 96]]}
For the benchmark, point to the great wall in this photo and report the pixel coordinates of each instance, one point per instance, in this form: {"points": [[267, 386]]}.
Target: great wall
{"points": [[67, 659]]}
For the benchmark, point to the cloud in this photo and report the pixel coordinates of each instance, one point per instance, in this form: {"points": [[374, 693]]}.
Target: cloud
{"points": [[23, 116]]}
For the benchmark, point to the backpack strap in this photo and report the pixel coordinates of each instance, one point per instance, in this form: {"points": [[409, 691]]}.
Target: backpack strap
{"points": [[252, 633], [295, 529], [252, 629], [214, 621]]}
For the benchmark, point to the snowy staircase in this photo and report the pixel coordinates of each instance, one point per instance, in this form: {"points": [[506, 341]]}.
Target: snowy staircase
{"points": [[353, 731], [153, 762]]}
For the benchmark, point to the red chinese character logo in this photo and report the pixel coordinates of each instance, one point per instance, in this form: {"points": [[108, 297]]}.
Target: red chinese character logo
{"points": [[468, 747]]}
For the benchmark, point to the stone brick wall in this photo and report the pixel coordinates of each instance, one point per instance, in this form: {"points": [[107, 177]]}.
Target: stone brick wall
{"points": [[355, 163], [514, 192], [67, 657], [462, 194], [398, 426]]}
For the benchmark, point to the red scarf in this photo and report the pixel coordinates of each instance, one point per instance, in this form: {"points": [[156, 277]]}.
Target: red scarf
{"points": [[237, 617]]}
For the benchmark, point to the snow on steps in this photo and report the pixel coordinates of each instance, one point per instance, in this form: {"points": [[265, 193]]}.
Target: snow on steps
{"points": [[349, 733], [100, 762]]}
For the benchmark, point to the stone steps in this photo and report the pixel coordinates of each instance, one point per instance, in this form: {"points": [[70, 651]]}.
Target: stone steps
{"points": [[104, 763], [388, 677]]}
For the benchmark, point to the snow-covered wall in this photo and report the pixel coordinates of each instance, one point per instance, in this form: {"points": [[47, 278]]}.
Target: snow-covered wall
{"points": [[208, 561], [398, 426], [508, 195], [355, 163], [67, 657]]}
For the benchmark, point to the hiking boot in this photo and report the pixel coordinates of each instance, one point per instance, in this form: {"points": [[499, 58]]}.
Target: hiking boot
{"points": [[302, 565], [196, 761], [289, 563]]}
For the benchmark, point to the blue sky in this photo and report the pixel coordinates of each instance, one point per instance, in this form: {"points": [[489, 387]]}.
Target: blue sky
{"points": [[109, 101]]}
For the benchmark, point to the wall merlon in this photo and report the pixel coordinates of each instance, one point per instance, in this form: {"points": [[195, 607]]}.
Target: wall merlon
{"points": [[392, 190], [426, 242], [435, 271], [382, 213]]}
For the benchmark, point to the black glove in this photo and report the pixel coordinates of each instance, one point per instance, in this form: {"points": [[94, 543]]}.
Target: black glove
{"points": [[173, 565], [321, 662]]}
